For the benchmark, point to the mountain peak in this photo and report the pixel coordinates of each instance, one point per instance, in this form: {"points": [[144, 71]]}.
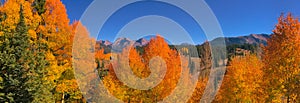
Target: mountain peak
{"points": [[106, 42], [123, 42], [141, 42]]}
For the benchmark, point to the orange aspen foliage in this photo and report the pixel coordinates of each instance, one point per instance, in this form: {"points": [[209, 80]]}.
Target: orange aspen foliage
{"points": [[136, 64], [100, 55], [11, 9], [282, 61], [199, 90], [84, 60], [57, 31], [70, 87], [83, 56], [157, 47], [57, 35], [242, 81]]}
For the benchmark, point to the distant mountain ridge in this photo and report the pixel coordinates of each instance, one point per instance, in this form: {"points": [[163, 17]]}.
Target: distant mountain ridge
{"points": [[120, 43], [249, 39], [104, 42]]}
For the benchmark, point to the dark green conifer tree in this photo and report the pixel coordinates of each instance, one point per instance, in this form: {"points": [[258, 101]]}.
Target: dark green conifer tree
{"points": [[15, 62]]}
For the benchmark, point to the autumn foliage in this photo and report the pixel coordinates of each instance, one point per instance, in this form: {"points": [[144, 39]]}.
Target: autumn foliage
{"points": [[281, 57], [50, 40], [243, 79], [38, 63], [274, 77], [157, 47]]}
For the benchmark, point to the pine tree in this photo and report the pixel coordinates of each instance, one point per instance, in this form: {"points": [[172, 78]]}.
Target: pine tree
{"points": [[39, 6], [39, 85], [15, 62]]}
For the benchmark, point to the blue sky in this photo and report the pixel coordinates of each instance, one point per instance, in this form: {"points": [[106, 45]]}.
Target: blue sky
{"points": [[236, 17]]}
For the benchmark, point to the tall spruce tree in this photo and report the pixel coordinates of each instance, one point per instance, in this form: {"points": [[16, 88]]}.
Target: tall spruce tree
{"points": [[15, 62], [39, 6], [40, 87]]}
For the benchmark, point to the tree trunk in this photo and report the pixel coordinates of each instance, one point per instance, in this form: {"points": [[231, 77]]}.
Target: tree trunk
{"points": [[63, 98]]}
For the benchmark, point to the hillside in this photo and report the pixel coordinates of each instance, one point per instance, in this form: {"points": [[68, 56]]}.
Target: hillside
{"points": [[249, 39]]}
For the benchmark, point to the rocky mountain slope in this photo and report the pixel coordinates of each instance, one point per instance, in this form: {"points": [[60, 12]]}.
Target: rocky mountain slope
{"points": [[249, 39]]}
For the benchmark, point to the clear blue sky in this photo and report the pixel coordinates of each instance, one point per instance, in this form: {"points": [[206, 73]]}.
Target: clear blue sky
{"points": [[236, 17]]}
